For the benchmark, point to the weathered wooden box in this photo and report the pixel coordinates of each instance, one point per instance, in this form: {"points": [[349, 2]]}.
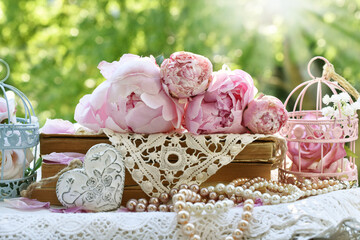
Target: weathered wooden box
{"points": [[255, 160]]}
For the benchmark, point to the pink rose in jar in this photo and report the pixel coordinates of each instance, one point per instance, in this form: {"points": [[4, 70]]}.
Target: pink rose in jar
{"points": [[186, 74], [265, 114], [220, 108], [130, 100], [310, 152], [14, 162], [4, 110]]}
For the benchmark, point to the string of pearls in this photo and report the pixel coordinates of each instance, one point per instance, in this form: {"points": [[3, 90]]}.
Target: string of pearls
{"points": [[192, 199]]}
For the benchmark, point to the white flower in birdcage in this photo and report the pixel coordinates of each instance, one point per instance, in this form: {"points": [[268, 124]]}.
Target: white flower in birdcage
{"points": [[321, 142], [19, 137]]}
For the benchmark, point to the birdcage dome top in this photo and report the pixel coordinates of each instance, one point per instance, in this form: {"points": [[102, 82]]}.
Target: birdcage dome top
{"points": [[319, 124], [16, 132]]}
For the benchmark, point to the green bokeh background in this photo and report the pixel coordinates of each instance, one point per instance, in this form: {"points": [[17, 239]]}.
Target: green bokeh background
{"points": [[54, 46]]}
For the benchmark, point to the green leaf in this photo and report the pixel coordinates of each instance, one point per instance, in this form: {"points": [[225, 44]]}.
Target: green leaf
{"points": [[159, 59], [349, 153], [29, 171]]}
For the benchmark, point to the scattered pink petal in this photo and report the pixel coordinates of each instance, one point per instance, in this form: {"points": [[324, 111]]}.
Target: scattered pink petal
{"points": [[62, 158], [26, 203], [69, 210]]}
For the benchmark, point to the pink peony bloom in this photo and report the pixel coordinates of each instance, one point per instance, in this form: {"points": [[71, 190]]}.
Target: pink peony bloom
{"points": [[265, 115], [4, 110], [130, 100], [311, 152], [58, 126], [14, 162], [220, 109], [186, 74]]}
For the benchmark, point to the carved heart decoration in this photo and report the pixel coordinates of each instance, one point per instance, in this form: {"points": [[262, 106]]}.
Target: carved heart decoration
{"points": [[99, 185]]}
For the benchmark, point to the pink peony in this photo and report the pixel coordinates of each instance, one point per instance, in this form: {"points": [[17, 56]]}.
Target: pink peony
{"points": [[186, 74], [265, 115], [130, 100], [311, 152], [4, 110], [220, 109], [14, 162], [58, 126]]}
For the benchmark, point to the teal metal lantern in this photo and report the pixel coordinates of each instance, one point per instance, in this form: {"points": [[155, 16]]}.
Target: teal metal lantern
{"points": [[19, 138]]}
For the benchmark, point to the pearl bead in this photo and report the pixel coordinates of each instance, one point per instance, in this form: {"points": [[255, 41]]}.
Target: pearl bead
{"points": [[221, 197], [307, 193], [204, 192], [189, 206], [173, 192], [248, 207], [140, 207], [239, 191], [209, 208], [275, 199], [307, 182], [218, 207], [183, 217], [252, 188], [330, 189], [336, 187], [281, 189], [143, 201], [257, 194], [151, 208], [243, 225], [163, 208], [319, 191], [266, 198], [183, 186], [213, 195], [186, 192], [178, 197], [261, 184], [154, 200], [131, 204], [220, 188], [179, 205], [284, 199], [198, 208], [246, 215], [291, 198], [230, 189], [171, 208], [247, 193], [249, 201], [325, 190], [331, 182], [256, 185], [188, 229], [229, 238], [238, 234], [211, 189], [164, 197], [195, 188], [314, 185], [195, 237], [313, 192]]}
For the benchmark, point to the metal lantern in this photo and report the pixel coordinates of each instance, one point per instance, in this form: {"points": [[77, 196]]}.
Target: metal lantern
{"points": [[19, 138], [320, 147]]}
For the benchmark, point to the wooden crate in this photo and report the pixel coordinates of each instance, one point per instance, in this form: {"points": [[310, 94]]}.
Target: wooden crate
{"points": [[253, 161]]}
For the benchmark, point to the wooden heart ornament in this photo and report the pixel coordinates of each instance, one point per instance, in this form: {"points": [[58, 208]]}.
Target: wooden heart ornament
{"points": [[99, 185]]}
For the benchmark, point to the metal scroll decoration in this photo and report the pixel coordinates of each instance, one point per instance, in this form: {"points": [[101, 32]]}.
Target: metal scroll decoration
{"points": [[99, 185]]}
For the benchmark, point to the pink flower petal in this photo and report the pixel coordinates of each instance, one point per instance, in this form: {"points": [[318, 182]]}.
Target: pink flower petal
{"points": [[26, 203], [58, 126], [62, 158]]}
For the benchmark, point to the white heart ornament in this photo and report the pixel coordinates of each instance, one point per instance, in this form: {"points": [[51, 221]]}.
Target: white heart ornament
{"points": [[99, 185]]}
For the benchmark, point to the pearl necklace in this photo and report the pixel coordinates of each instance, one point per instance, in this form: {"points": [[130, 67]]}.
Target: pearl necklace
{"points": [[220, 198]]}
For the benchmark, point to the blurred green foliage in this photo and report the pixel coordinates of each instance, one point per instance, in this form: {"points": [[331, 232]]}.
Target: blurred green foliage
{"points": [[54, 46]]}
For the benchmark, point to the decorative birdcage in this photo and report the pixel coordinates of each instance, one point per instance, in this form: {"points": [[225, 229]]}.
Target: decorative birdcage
{"points": [[321, 142], [19, 138]]}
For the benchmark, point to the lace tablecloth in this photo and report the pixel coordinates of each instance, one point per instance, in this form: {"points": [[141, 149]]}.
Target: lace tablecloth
{"points": [[303, 219]]}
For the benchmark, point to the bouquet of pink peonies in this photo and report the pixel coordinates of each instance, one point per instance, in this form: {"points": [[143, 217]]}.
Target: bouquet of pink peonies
{"points": [[183, 94]]}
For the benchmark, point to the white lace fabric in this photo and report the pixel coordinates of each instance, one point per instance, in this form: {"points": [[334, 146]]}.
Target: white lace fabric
{"points": [[302, 219], [146, 157]]}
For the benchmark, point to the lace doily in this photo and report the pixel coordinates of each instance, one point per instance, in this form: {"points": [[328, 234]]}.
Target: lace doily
{"points": [[304, 219], [160, 162]]}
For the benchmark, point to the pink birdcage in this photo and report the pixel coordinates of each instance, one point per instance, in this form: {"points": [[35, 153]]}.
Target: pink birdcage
{"points": [[321, 147]]}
